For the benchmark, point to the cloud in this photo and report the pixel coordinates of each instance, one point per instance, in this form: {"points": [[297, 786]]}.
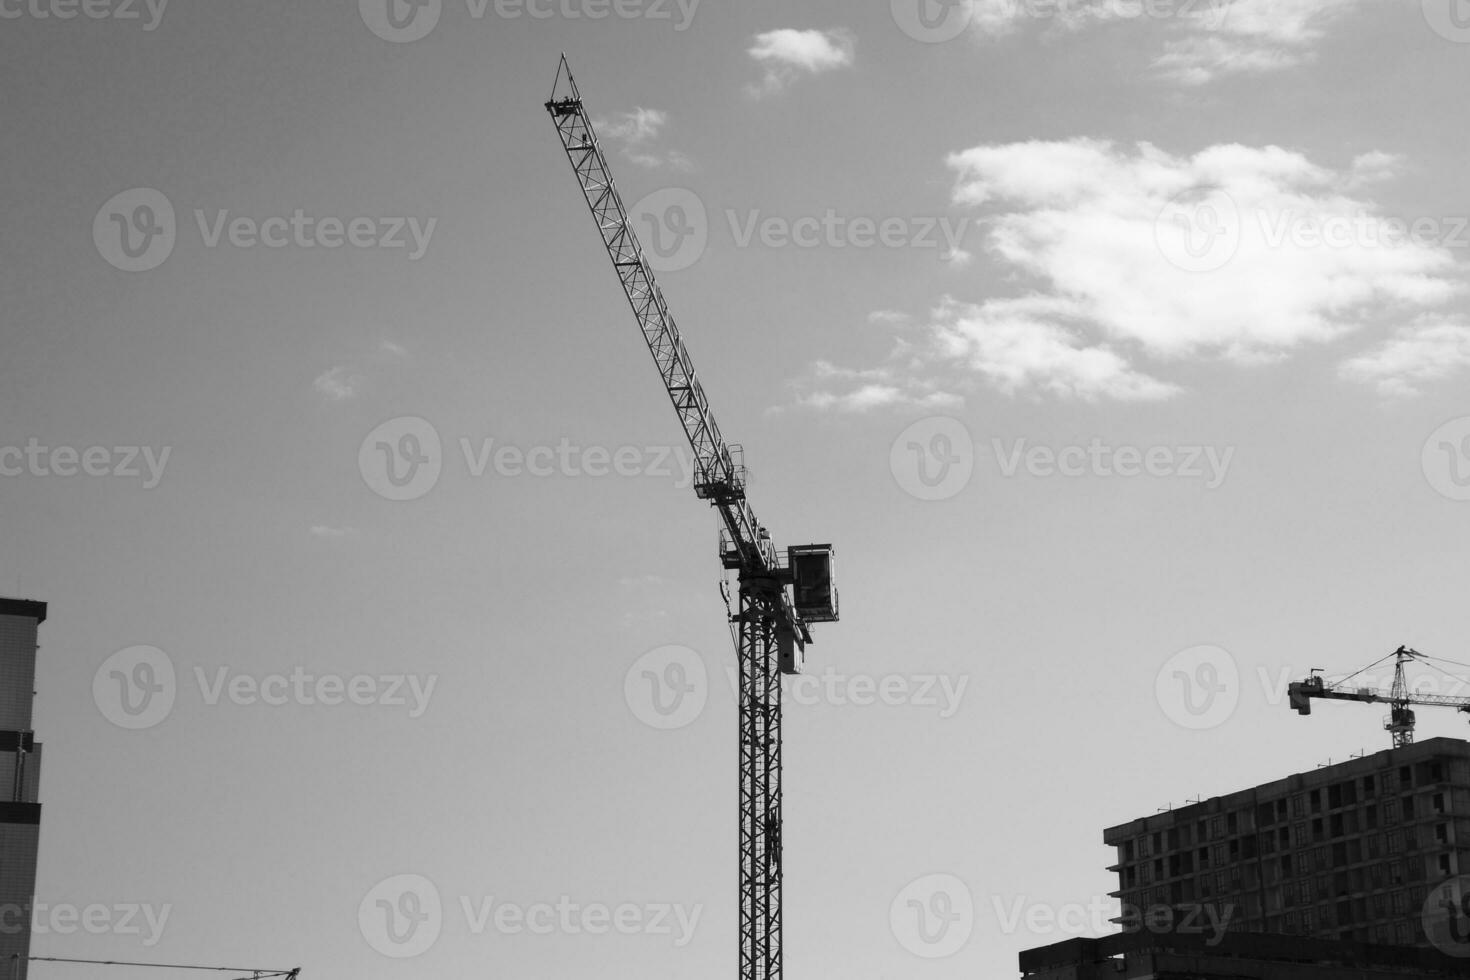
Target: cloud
{"points": [[338, 384], [1432, 349], [1207, 39], [1127, 238], [1015, 346], [346, 381], [787, 54], [636, 134], [892, 317], [1124, 256], [1019, 345], [957, 258], [827, 387]]}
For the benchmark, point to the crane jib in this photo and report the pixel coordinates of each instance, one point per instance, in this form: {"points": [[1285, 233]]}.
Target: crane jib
{"points": [[770, 629]]}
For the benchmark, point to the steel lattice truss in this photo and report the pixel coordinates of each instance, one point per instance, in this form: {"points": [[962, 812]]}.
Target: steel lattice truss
{"points": [[760, 779], [766, 621], [716, 477]]}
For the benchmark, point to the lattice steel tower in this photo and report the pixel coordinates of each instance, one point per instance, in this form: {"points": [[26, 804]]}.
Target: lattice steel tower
{"points": [[780, 595]]}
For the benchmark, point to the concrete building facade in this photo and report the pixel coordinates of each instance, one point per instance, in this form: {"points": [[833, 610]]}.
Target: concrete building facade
{"points": [[1349, 852], [20, 781]]}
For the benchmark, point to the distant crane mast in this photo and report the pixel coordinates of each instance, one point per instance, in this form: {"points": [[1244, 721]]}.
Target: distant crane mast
{"points": [[770, 629], [1400, 721]]}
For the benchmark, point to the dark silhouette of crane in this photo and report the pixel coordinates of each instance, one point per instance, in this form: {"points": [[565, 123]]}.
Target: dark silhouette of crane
{"points": [[1400, 720], [771, 627]]}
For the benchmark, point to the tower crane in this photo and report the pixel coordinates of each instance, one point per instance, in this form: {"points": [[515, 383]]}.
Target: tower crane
{"points": [[1400, 720], [781, 595]]}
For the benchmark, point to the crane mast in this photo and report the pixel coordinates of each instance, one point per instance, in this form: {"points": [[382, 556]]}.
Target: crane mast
{"points": [[770, 629]]}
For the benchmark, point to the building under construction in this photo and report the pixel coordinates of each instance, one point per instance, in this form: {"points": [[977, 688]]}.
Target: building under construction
{"points": [[1348, 872], [20, 770], [1348, 851]]}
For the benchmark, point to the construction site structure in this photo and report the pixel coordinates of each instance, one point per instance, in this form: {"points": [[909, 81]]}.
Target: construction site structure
{"points": [[1400, 721], [781, 595], [1352, 851]]}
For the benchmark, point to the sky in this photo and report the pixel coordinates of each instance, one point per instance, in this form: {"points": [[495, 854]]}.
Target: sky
{"points": [[1119, 349]]}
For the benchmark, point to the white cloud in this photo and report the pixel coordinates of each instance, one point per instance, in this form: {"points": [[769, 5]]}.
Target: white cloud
{"points": [[828, 387], [338, 384], [1207, 39], [957, 258], [787, 54], [1101, 238], [893, 317], [1019, 346], [1016, 346], [347, 381], [636, 134], [1432, 349], [1108, 230]]}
